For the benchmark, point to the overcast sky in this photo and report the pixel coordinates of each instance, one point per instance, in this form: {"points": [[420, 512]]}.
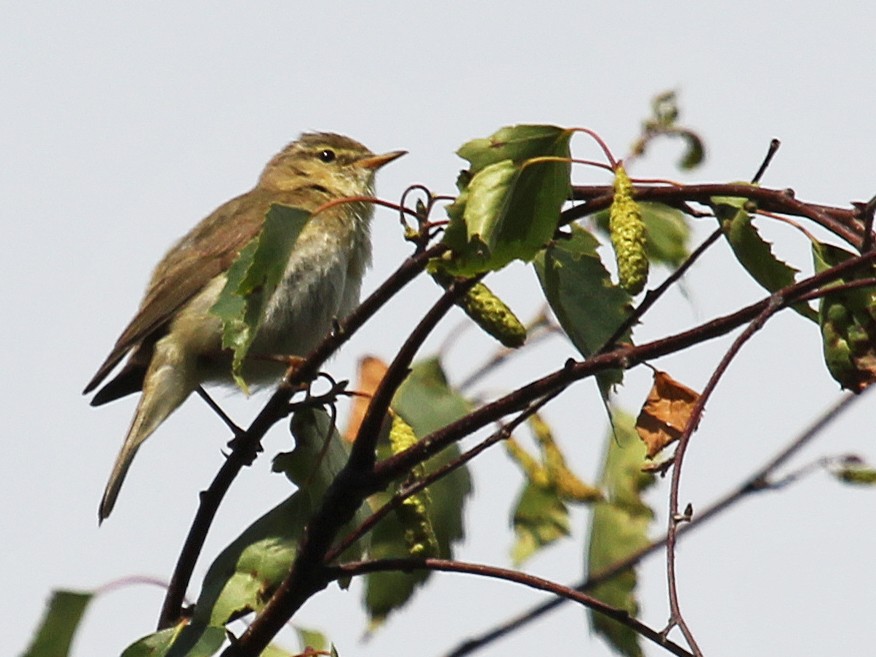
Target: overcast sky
{"points": [[122, 125]]}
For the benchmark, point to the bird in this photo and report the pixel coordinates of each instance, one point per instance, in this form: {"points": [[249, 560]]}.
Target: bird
{"points": [[174, 343]]}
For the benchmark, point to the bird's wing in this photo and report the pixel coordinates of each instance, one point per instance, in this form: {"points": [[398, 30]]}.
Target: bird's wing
{"points": [[205, 252]]}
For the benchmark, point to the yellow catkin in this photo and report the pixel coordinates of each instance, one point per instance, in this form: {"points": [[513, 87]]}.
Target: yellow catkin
{"points": [[413, 514], [490, 313], [628, 235]]}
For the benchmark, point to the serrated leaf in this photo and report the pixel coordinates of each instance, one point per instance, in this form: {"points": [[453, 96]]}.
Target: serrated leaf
{"points": [[753, 252], [665, 413], [245, 574], [516, 143], [252, 279], [159, 644], [509, 205], [58, 626], [588, 306], [848, 323], [426, 402], [618, 527]]}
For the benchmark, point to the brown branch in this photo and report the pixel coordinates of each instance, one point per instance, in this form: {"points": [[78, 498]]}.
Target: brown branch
{"points": [[509, 575], [843, 223], [623, 356], [364, 448], [347, 492], [356, 481], [757, 482], [247, 444], [652, 296], [396, 501], [675, 616]]}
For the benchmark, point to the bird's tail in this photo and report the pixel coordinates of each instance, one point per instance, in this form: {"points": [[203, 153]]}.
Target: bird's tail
{"points": [[164, 390]]}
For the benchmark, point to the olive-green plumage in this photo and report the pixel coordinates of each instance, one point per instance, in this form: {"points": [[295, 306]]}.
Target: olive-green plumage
{"points": [[173, 343]]}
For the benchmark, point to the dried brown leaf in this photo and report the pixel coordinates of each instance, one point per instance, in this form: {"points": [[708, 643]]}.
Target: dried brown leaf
{"points": [[665, 414]]}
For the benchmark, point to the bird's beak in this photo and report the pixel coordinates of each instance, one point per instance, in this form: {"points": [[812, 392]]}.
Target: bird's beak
{"points": [[374, 162]]}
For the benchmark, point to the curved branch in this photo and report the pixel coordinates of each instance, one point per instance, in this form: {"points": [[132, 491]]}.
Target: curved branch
{"points": [[756, 482], [843, 223], [247, 444], [346, 494], [676, 617], [623, 356], [509, 575]]}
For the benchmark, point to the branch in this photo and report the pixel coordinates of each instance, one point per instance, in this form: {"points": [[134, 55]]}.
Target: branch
{"points": [[396, 501], [346, 494], [843, 223], [757, 482], [676, 617], [508, 575], [623, 356], [247, 444]]}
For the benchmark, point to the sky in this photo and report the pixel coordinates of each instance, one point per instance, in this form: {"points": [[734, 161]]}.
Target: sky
{"points": [[124, 124]]}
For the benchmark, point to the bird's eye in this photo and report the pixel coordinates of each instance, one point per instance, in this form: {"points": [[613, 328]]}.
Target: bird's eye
{"points": [[327, 155]]}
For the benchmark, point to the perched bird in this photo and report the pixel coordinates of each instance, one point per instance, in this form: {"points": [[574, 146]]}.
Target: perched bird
{"points": [[174, 341]]}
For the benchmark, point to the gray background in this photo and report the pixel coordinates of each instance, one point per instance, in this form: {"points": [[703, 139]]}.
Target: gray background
{"points": [[121, 125]]}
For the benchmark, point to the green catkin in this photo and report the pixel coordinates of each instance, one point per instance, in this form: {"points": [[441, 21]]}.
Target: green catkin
{"points": [[628, 235], [413, 514], [490, 313]]}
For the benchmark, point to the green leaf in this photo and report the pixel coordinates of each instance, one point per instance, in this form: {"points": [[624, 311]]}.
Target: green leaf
{"points": [[159, 643], [427, 403], [59, 624], [510, 201], [540, 518], [310, 638], [753, 252], [848, 323], [273, 650], [585, 302], [541, 514], [252, 279], [668, 233], [516, 143], [619, 526], [858, 475], [246, 573], [695, 150]]}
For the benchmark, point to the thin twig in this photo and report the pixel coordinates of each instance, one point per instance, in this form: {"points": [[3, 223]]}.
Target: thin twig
{"points": [[868, 211], [624, 356], [842, 222], [770, 154], [396, 501], [538, 329], [509, 575], [652, 296], [757, 482], [231, 424], [248, 442], [347, 492], [776, 302]]}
